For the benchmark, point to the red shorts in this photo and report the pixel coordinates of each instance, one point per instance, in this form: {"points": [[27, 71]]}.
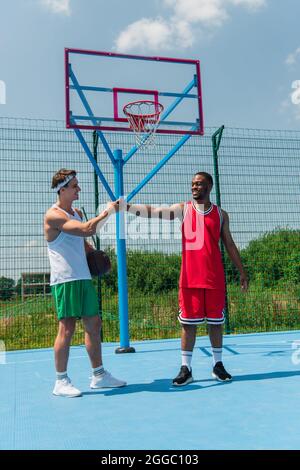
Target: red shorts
{"points": [[198, 305]]}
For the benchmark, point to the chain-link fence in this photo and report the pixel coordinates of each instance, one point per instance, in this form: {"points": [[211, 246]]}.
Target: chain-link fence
{"points": [[259, 184]]}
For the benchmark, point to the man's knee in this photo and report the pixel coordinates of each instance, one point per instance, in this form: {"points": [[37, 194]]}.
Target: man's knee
{"points": [[92, 325], [66, 329], [189, 330], [215, 327]]}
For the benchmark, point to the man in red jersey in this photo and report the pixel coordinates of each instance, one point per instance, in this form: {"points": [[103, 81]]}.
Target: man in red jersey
{"points": [[202, 279]]}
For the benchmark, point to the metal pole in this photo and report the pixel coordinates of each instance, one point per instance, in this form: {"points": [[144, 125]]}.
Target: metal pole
{"points": [[121, 255], [216, 141], [97, 244]]}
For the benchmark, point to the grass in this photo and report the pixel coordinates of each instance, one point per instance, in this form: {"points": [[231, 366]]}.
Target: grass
{"points": [[263, 309], [33, 324]]}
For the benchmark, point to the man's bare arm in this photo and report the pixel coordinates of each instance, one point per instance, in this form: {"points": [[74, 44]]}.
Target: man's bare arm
{"points": [[60, 222], [232, 250], [87, 246], [168, 213]]}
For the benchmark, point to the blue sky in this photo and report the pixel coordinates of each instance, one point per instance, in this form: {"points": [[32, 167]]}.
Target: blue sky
{"points": [[249, 52]]}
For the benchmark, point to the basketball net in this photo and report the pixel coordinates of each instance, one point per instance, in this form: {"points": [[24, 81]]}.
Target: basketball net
{"points": [[143, 117]]}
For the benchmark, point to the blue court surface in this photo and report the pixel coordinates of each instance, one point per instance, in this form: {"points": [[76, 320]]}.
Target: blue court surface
{"points": [[259, 409]]}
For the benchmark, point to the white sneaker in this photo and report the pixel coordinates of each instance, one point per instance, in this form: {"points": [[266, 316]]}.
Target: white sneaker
{"points": [[64, 388], [106, 380]]}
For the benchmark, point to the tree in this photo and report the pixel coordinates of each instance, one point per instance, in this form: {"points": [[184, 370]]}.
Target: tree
{"points": [[7, 288]]}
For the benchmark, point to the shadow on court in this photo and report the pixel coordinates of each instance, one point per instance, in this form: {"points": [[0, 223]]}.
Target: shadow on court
{"points": [[165, 385], [267, 376], [160, 386]]}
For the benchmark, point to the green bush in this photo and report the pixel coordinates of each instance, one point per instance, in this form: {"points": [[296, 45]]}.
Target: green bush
{"points": [[291, 270], [147, 272], [7, 288], [271, 258], [263, 309], [153, 272], [110, 280]]}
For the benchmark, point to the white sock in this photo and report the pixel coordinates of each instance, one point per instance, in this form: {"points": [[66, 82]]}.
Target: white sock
{"points": [[186, 358], [98, 371], [217, 355], [61, 375]]}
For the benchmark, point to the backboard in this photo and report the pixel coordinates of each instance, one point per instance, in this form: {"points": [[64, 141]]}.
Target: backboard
{"points": [[99, 85]]}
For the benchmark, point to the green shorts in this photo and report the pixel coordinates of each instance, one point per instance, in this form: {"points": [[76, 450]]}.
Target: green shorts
{"points": [[75, 299]]}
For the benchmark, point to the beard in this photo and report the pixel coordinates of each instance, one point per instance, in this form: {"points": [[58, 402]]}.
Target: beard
{"points": [[201, 195]]}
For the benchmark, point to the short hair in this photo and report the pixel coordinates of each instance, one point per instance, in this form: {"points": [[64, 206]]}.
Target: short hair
{"points": [[60, 177], [207, 176]]}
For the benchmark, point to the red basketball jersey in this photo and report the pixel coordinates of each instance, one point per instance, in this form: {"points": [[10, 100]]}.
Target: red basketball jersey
{"points": [[201, 264]]}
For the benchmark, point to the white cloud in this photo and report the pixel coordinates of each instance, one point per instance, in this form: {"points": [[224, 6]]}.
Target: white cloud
{"points": [[145, 33], [187, 19], [250, 4], [58, 6], [209, 12], [183, 34], [150, 34], [292, 57]]}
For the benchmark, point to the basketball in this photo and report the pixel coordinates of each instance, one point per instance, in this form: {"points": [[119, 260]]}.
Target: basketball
{"points": [[98, 262]]}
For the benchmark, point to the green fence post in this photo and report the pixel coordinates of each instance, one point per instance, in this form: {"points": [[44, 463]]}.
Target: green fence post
{"points": [[216, 141], [96, 192]]}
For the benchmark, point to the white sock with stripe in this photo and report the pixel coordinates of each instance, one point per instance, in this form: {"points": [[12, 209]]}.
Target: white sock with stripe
{"points": [[186, 358], [217, 355], [98, 371], [61, 375]]}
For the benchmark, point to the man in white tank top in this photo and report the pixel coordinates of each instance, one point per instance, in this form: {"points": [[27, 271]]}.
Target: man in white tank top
{"points": [[71, 284]]}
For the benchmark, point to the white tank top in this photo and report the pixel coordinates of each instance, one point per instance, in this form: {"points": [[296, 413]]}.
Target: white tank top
{"points": [[67, 256]]}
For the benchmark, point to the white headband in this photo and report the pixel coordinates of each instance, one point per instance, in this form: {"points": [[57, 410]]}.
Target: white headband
{"points": [[63, 183]]}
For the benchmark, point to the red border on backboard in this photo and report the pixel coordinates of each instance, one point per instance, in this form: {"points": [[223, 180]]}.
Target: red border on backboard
{"points": [[71, 125]]}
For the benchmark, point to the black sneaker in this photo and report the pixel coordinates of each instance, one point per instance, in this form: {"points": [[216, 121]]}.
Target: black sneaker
{"points": [[220, 373], [184, 377]]}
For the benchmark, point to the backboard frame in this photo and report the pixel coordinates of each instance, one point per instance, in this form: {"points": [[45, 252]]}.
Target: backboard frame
{"points": [[196, 129]]}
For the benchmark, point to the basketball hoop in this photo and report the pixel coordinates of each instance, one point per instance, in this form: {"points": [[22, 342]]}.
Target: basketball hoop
{"points": [[143, 117]]}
